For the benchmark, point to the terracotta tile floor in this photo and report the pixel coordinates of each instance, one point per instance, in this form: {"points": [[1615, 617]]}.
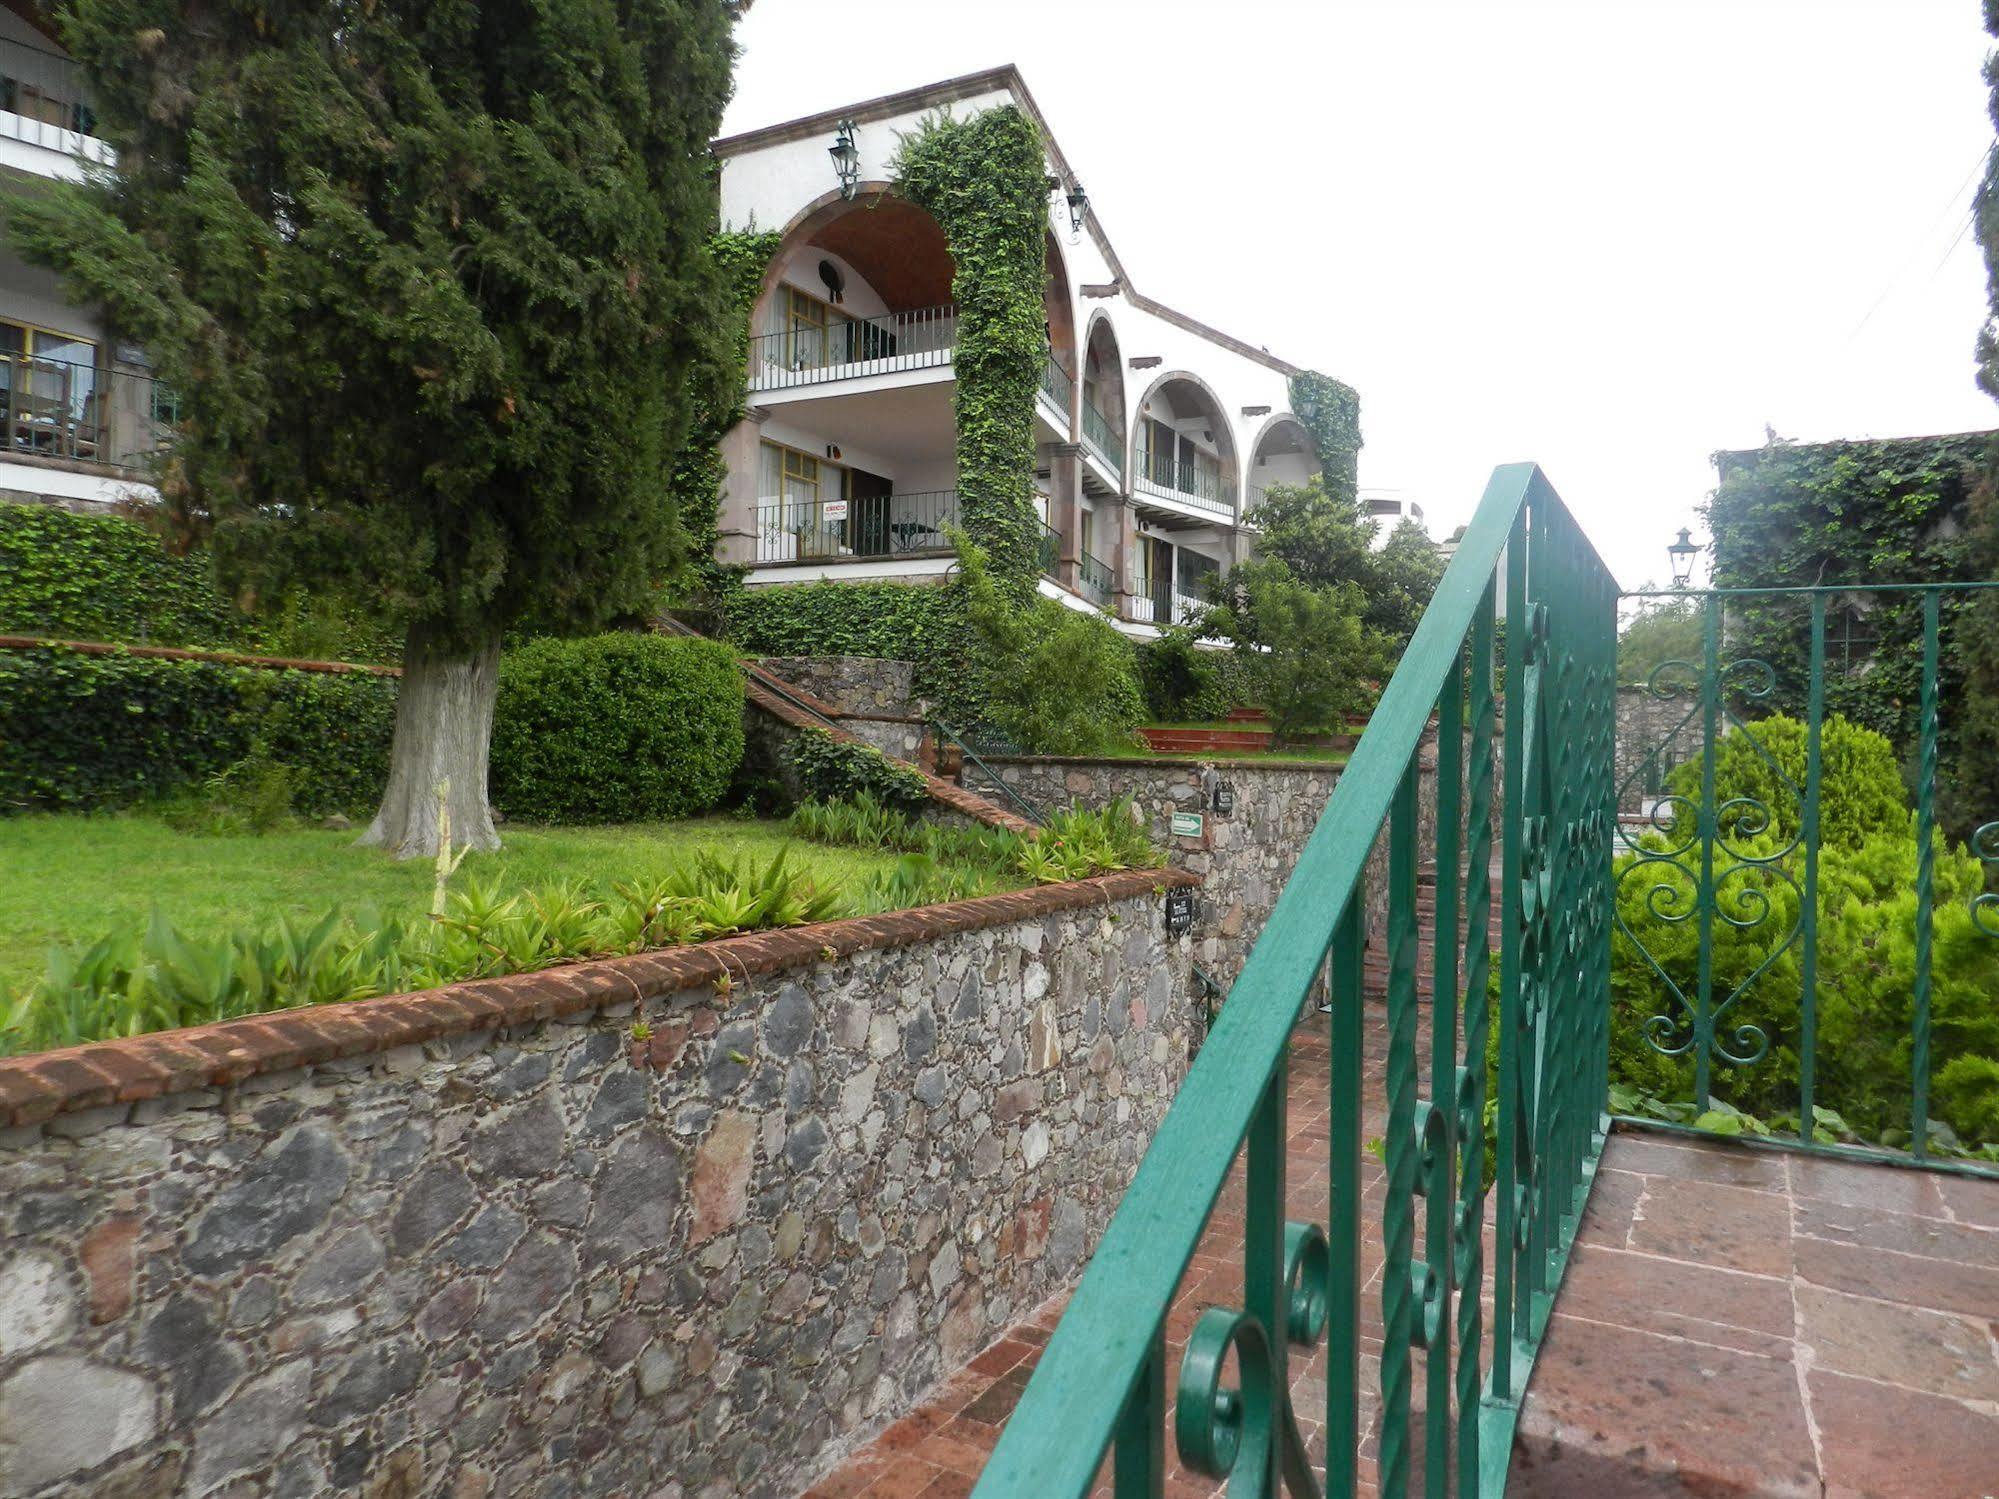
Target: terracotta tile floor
{"points": [[1733, 1322]]}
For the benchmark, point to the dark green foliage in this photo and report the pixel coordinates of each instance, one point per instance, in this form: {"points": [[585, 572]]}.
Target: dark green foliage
{"points": [[1403, 576], [80, 732], [1306, 646], [1053, 680], [1181, 682], [1762, 770], [984, 179], [716, 383], [1852, 512], [1321, 533], [1985, 215], [615, 728], [894, 621], [1970, 794], [1330, 411], [838, 770], [103, 577], [426, 278], [109, 578]]}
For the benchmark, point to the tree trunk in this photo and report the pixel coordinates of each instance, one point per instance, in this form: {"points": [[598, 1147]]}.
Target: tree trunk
{"points": [[444, 727]]}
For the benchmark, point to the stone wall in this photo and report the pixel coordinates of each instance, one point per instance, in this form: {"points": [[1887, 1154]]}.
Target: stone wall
{"points": [[1646, 731], [1243, 857], [493, 1240], [869, 686]]}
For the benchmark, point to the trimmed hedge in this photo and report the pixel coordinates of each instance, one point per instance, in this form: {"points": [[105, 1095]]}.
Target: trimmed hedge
{"points": [[102, 577], [82, 732], [615, 728]]}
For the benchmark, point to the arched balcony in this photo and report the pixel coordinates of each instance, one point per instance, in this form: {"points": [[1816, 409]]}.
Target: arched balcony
{"points": [[1103, 408], [1184, 463], [1283, 454]]}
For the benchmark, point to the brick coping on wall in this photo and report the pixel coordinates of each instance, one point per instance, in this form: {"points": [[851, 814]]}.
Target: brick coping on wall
{"points": [[132, 1069], [1170, 762], [177, 653]]}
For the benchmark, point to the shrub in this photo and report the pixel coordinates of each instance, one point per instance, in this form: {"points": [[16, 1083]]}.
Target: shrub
{"points": [[103, 577], [80, 732], [1860, 783], [1866, 980], [1054, 680], [1305, 646], [110, 578], [615, 728], [835, 769]]}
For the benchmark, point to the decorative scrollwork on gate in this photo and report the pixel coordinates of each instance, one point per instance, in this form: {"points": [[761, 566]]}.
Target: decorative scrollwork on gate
{"points": [[1720, 866], [1234, 1432], [1985, 908]]}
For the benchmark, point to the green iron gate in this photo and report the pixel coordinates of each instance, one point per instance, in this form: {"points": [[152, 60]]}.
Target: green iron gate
{"points": [[1526, 603], [1787, 973]]}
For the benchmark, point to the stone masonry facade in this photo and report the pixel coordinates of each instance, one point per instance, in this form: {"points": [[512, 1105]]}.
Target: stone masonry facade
{"points": [[496, 1240], [1651, 740], [870, 686], [1243, 857]]}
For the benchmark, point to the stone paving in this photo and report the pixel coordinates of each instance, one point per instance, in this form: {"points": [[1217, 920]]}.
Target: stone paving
{"points": [[1738, 1321], [1733, 1322]]}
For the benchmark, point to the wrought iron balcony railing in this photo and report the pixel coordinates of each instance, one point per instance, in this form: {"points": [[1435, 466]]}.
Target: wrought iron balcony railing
{"points": [[1159, 474], [1058, 388], [53, 408], [1050, 549], [1098, 579], [1102, 439], [850, 348], [1547, 801], [891, 525]]}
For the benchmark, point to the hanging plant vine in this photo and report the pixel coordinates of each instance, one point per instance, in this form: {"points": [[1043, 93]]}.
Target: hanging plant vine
{"points": [[1329, 409], [984, 180]]}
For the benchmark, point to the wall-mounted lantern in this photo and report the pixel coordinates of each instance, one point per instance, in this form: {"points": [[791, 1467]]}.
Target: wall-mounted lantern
{"points": [[1683, 553], [1079, 202], [846, 159]]}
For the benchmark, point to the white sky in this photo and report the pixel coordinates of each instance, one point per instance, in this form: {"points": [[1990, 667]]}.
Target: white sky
{"points": [[1608, 236]]}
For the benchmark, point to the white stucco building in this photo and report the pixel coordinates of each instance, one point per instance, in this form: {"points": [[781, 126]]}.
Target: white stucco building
{"points": [[79, 410], [1156, 434]]}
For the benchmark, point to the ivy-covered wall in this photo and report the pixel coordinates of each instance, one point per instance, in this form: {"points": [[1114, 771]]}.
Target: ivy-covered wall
{"points": [[1897, 510], [1329, 409], [984, 180], [698, 476]]}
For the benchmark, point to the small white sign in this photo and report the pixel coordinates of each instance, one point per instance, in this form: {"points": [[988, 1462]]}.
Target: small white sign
{"points": [[836, 510]]}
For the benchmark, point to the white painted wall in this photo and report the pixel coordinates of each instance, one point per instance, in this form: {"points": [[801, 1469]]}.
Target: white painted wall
{"points": [[30, 294], [767, 189], [801, 269]]}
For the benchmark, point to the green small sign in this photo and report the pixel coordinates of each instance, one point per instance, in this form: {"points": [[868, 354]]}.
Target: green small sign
{"points": [[1186, 824]]}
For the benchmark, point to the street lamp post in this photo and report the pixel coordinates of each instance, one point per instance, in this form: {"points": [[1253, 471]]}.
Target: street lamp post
{"points": [[1683, 553]]}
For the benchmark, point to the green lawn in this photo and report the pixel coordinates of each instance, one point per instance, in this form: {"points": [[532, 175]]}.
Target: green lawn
{"points": [[72, 879]]}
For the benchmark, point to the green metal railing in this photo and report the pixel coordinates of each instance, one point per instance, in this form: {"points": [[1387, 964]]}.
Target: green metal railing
{"points": [[1101, 438], [1049, 549], [1100, 1386], [1719, 899]]}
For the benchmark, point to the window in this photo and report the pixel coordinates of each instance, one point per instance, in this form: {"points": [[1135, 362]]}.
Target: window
{"points": [[48, 392], [804, 330]]}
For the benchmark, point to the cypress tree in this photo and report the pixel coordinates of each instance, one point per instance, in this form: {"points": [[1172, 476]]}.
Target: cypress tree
{"points": [[427, 277]]}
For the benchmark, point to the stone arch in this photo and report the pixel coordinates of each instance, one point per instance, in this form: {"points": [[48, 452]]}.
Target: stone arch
{"points": [[896, 247], [1282, 453], [1103, 356], [1183, 389], [1059, 300]]}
